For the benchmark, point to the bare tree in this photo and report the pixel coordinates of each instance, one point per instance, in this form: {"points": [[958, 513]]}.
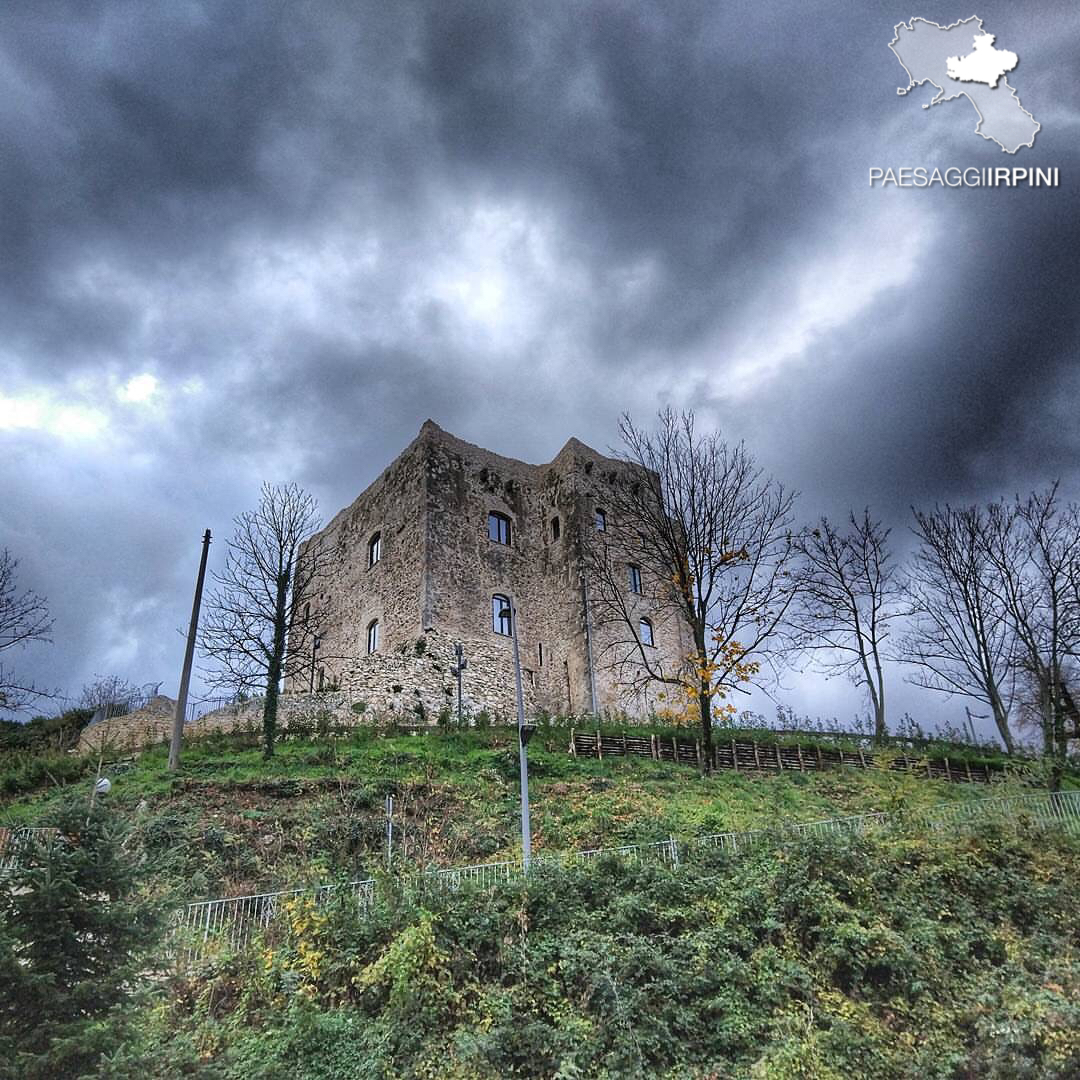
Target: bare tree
{"points": [[115, 696], [24, 617], [961, 640], [850, 598], [1034, 545], [253, 628], [712, 539]]}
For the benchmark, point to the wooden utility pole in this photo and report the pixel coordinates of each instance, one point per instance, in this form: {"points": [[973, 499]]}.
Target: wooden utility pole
{"points": [[189, 656]]}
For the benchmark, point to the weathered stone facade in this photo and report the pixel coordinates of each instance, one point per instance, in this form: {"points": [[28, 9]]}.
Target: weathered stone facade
{"points": [[151, 724], [437, 571]]}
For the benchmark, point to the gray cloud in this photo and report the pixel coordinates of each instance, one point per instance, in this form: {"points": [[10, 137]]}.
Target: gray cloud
{"points": [[316, 226]]}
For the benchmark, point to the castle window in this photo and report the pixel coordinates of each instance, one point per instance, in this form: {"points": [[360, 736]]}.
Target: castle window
{"points": [[373, 636], [501, 621], [556, 529], [374, 549], [634, 576], [499, 528], [540, 653], [645, 630], [601, 521]]}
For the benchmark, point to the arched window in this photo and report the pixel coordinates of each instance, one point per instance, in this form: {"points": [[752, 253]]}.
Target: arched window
{"points": [[601, 521], [634, 576], [373, 636], [645, 630], [499, 528], [501, 619], [374, 549], [556, 528]]}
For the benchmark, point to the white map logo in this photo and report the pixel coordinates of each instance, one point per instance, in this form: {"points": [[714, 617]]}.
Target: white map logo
{"points": [[961, 61]]}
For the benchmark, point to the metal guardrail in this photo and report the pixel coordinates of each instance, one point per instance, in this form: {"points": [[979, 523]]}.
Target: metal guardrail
{"points": [[482, 874], [13, 841], [231, 922]]}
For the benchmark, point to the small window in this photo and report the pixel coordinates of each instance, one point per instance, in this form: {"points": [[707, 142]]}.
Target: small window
{"points": [[373, 636], [645, 629], [499, 528], [556, 529], [540, 653], [634, 575], [601, 521], [374, 549], [501, 621]]}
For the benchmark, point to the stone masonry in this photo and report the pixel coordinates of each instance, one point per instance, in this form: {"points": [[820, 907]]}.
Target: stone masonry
{"points": [[150, 724], [414, 570]]}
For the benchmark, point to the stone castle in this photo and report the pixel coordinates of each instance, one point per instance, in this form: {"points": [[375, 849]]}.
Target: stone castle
{"points": [[431, 555]]}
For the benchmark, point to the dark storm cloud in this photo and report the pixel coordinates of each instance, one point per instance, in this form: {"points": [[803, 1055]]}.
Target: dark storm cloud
{"points": [[955, 387], [318, 225]]}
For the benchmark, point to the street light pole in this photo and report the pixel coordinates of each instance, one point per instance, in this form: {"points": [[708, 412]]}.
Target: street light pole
{"points": [[459, 667], [524, 733]]}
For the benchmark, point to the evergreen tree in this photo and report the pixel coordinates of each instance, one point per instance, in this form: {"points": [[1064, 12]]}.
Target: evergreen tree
{"points": [[74, 936]]}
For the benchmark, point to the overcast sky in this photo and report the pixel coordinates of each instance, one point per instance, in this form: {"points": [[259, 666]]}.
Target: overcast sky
{"points": [[264, 241]]}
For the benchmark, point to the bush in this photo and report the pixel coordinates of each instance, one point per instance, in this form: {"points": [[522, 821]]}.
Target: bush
{"points": [[879, 956], [45, 732], [74, 937], [25, 771]]}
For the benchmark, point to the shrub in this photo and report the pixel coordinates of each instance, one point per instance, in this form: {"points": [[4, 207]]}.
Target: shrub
{"points": [[74, 935], [887, 955], [25, 771]]}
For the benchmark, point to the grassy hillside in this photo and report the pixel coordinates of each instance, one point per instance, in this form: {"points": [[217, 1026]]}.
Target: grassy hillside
{"points": [[896, 954], [237, 824]]}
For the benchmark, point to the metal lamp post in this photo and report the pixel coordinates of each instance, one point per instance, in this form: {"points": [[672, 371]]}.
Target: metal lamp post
{"points": [[524, 734], [458, 670]]}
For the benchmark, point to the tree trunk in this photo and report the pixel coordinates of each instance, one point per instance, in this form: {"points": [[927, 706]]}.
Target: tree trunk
{"points": [[880, 730], [705, 693], [277, 658], [1001, 719], [1061, 743], [705, 704], [270, 703]]}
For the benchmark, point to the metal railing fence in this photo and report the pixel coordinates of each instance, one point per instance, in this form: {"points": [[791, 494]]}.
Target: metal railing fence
{"points": [[231, 922], [13, 841]]}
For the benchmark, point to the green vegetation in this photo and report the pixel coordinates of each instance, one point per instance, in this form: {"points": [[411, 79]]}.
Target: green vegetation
{"points": [[237, 823], [74, 935], [875, 957], [953, 954], [41, 733]]}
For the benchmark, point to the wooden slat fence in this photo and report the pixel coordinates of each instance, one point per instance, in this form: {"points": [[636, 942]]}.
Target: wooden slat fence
{"points": [[749, 756]]}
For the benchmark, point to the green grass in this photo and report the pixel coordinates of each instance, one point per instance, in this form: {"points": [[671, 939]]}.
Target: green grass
{"points": [[899, 953], [234, 822]]}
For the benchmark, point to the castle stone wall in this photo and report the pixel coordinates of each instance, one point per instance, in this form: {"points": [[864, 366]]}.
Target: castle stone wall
{"points": [[439, 571]]}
